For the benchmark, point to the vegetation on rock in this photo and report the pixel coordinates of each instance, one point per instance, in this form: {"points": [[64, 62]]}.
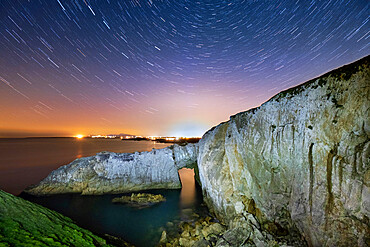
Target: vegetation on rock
{"points": [[23, 223]]}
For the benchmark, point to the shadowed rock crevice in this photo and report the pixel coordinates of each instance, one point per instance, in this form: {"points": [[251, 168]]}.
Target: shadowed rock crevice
{"points": [[329, 181], [310, 162]]}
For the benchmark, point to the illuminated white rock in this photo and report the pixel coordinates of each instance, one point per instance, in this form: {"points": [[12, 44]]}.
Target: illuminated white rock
{"points": [[109, 172], [299, 160]]}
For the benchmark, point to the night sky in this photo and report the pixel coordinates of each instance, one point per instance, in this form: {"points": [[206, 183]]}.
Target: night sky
{"points": [[162, 67]]}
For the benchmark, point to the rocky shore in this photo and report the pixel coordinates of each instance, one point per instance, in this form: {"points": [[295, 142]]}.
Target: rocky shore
{"points": [[294, 171], [205, 230]]}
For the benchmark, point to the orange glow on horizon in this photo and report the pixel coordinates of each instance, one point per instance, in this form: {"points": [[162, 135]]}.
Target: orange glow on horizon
{"points": [[173, 119], [79, 136]]}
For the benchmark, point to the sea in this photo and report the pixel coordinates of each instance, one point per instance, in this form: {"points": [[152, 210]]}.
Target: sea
{"points": [[26, 161]]}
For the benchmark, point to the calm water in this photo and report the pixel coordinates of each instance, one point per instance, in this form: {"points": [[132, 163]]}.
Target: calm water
{"points": [[26, 161], [141, 227]]}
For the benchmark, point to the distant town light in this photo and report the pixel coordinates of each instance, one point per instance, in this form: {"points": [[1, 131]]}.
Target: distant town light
{"points": [[105, 136]]}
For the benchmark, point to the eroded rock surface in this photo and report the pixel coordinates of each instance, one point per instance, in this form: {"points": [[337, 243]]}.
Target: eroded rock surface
{"points": [[298, 162], [119, 172]]}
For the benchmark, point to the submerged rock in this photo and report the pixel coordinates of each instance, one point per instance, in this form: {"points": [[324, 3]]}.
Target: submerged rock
{"points": [[140, 200], [23, 223], [299, 163], [119, 173], [163, 237]]}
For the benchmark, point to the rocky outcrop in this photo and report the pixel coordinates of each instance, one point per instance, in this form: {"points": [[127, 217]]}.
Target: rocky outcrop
{"points": [[203, 232], [119, 173], [140, 200], [207, 232], [298, 162], [23, 223]]}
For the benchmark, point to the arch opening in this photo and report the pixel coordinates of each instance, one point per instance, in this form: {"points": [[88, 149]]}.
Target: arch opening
{"points": [[189, 191]]}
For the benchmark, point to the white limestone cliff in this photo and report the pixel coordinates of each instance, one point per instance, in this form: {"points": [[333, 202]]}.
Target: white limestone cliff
{"points": [[301, 160]]}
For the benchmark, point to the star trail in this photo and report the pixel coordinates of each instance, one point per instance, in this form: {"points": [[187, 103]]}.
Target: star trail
{"points": [[162, 67]]}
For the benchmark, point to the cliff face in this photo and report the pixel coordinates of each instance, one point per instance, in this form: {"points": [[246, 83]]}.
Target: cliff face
{"points": [[119, 173], [301, 160]]}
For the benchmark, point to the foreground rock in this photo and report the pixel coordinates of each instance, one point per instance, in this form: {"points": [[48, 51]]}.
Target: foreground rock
{"points": [[23, 223], [203, 231], [299, 163], [119, 173], [140, 200], [207, 232]]}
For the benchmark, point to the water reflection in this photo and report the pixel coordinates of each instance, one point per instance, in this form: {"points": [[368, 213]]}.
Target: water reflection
{"points": [[79, 150], [188, 192]]}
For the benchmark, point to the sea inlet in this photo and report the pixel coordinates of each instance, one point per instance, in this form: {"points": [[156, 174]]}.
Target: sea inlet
{"points": [[27, 161], [141, 227]]}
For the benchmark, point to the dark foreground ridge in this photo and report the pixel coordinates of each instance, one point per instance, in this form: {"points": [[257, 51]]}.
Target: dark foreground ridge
{"points": [[23, 223]]}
